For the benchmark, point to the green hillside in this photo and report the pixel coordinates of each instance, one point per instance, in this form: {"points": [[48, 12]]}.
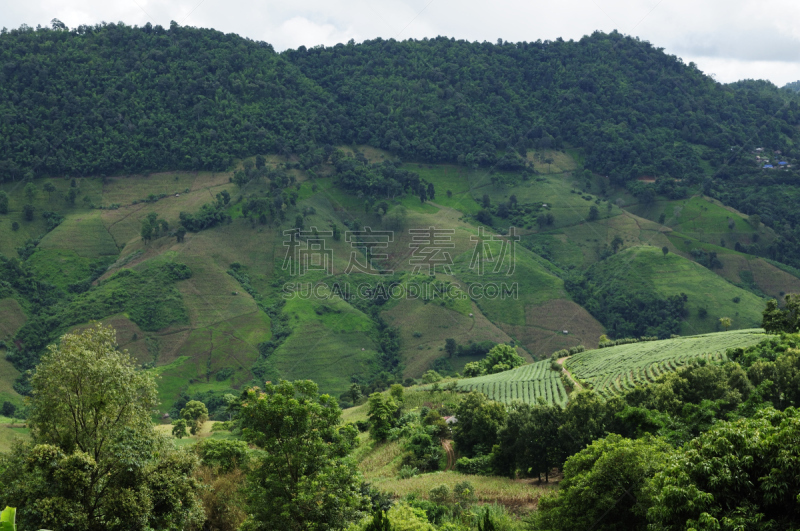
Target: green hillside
{"points": [[156, 197], [609, 370], [620, 368], [650, 274]]}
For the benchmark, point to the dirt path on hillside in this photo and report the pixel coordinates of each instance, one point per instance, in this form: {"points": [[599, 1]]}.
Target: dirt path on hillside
{"points": [[451, 455], [578, 386]]}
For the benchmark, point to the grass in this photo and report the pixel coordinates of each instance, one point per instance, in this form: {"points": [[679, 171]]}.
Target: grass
{"points": [[380, 463], [204, 433], [84, 234], [424, 327], [448, 177], [614, 369], [546, 323], [227, 344], [10, 432], [703, 219], [563, 161], [62, 267], [330, 341], [7, 376], [328, 357], [12, 317]]}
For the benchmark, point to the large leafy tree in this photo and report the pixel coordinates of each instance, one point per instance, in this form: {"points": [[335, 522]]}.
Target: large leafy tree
{"points": [[602, 486], [96, 463], [738, 475], [382, 411], [303, 479], [502, 358], [195, 413], [529, 443], [479, 419]]}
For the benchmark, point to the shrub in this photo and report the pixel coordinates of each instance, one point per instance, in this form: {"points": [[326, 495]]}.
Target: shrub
{"points": [[479, 466], [407, 471]]}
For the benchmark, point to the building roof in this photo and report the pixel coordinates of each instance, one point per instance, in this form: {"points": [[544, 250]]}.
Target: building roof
{"points": [[768, 166]]}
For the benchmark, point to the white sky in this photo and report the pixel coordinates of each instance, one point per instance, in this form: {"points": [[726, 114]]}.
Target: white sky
{"points": [[731, 39]]}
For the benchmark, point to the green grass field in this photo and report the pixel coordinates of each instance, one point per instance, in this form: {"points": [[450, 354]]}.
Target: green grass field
{"points": [[647, 269], [615, 369], [525, 384], [11, 432], [380, 463], [12, 317], [7, 376], [703, 219]]}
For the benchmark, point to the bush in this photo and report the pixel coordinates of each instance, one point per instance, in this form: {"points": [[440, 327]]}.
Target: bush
{"points": [[479, 466], [407, 471], [225, 454], [8, 409], [431, 377]]}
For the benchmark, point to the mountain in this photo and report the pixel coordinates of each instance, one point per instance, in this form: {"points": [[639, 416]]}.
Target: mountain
{"points": [[151, 176]]}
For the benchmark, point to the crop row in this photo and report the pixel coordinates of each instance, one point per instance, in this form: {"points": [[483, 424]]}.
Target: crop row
{"points": [[614, 382], [526, 384]]}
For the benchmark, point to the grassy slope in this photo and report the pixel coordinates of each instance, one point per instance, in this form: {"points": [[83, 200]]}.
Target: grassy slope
{"points": [[10, 432], [225, 329], [648, 269], [380, 463]]}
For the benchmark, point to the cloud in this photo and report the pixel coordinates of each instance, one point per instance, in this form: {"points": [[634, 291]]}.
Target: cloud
{"points": [[299, 31]]}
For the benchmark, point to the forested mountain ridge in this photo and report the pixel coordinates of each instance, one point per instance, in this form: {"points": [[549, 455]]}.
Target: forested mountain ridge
{"points": [[117, 99], [114, 99], [633, 109]]}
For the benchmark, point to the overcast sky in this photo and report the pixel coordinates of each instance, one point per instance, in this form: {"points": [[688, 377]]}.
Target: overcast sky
{"points": [[731, 39]]}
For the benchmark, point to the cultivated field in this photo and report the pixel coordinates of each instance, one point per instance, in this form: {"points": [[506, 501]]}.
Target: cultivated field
{"points": [[526, 384], [615, 369]]}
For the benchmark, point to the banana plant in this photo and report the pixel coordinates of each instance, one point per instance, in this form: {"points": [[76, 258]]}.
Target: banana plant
{"points": [[8, 518]]}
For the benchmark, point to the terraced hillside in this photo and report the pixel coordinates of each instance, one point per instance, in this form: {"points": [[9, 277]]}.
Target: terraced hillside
{"points": [[615, 369], [526, 384], [609, 370]]}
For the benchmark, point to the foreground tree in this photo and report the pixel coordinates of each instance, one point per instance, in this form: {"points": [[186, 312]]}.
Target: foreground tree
{"points": [[602, 486], [303, 479], [737, 475], [96, 463], [529, 442], [479, 420]]}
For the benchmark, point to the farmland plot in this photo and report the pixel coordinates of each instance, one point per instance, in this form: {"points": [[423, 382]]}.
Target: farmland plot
{"points": [[524, 384], [621, 368]]}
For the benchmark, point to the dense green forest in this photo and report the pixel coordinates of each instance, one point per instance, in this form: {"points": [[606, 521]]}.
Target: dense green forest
{"points": [[114, 98]]}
